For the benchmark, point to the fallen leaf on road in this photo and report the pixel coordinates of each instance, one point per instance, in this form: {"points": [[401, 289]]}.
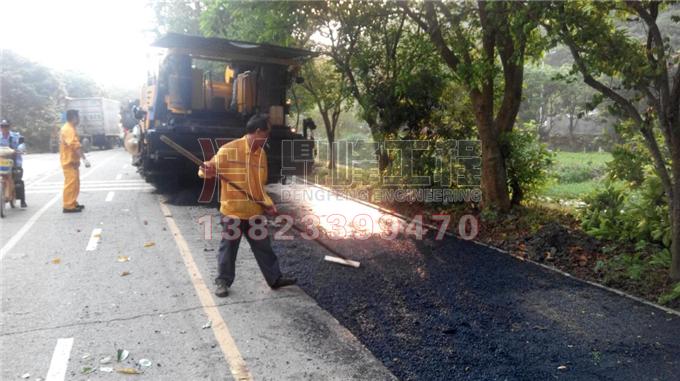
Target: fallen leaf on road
{"points": [[85, 356], [145, 362], [26, 375], [87, 370], [56, 261], [106, 369], [128, 371], [125, 273], [123, 258], [562, 367], [122, 355], [149, 244], [208, 324], [105, 360]]}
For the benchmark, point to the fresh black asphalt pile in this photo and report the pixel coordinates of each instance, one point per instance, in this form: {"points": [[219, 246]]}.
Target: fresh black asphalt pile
{"points": [[451, 309]]}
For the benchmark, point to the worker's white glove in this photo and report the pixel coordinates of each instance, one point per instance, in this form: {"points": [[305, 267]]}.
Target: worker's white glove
{"points": [[87, 163]]}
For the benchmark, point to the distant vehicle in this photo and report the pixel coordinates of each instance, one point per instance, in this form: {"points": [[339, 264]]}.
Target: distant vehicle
{"points": [[204, 92], [99, 123]]}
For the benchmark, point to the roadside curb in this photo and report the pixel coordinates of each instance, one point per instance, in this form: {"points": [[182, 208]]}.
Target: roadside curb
{"points": [[550, 268]]}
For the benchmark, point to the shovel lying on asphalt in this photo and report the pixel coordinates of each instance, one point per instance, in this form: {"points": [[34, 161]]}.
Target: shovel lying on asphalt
{"points": [[186, 153]]}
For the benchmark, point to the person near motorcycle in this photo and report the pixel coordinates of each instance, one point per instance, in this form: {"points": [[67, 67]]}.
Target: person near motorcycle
{"points": [[13, 140]]}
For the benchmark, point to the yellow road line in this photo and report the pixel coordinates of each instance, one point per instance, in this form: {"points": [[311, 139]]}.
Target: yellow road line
{"points": [[237, 365]]}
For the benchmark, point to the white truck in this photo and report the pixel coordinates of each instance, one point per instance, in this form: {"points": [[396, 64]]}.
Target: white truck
{"points": [[99, 121]]}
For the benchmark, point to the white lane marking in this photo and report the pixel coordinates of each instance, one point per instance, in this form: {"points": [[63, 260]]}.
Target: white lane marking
{"points": [[60, 357], [94, 239], [88, 190], [34, 181], [31, 221], [119, 176], [24, 229], [60, 183], [109, 196]]}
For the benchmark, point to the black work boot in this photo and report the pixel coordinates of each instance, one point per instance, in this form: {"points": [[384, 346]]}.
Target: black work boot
{"points": [[23, 203], [74, 210], [222, 289], [283, 281]]}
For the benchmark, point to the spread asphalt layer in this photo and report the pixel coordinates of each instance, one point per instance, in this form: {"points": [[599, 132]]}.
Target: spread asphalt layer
{"points": [[452, 309]]}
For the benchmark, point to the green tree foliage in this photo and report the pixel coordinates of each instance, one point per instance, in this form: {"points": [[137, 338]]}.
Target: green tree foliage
{"points": [[79, 85], [550, 92], [641, 76], [286, 23], [485, 45], [31, 97], [392, 70], [178, 16], [326, 87], [528, 161], [541, 97]]}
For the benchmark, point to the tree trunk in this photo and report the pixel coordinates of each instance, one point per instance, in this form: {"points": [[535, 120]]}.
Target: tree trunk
{"points": [[330, 135], [494, 175], [331, 152], [675, 244], [494, 178], [517, 193], [674, 208], [572, 143]]}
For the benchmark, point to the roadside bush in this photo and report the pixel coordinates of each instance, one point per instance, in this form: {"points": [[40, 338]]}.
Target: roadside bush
{"points": [[621, 214], [642, 272], [628, 164], [668, 297], [528, 160], [567, 174], [602, 215]]}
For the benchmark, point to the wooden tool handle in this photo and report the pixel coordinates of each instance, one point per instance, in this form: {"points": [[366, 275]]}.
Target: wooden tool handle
{"points": [[186, 153]]}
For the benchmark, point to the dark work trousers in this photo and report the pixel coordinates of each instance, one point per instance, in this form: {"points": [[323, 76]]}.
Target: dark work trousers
{"points": [[262, 249]]}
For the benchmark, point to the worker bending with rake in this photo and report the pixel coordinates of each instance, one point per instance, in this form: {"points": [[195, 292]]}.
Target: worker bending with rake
{"points": [[241, 166]]}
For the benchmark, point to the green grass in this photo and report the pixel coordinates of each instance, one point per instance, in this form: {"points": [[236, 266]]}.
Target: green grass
{"points": [[571, 191], [576, 174]]}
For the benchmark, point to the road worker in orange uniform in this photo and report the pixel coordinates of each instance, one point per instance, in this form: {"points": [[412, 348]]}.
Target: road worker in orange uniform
{"points": [[244, 163], [70, 155]]}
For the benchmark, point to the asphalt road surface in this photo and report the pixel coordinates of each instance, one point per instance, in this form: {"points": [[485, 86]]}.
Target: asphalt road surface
{"points": [[131, 274], [134, 272]]}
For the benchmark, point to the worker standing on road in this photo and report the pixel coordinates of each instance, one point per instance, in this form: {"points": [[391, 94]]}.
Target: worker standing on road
{"points": [[244, 163], [14, 141], [70, 155]]}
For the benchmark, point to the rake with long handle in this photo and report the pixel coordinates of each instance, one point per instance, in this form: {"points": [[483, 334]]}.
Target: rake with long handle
{"points": [[186, 153]]}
